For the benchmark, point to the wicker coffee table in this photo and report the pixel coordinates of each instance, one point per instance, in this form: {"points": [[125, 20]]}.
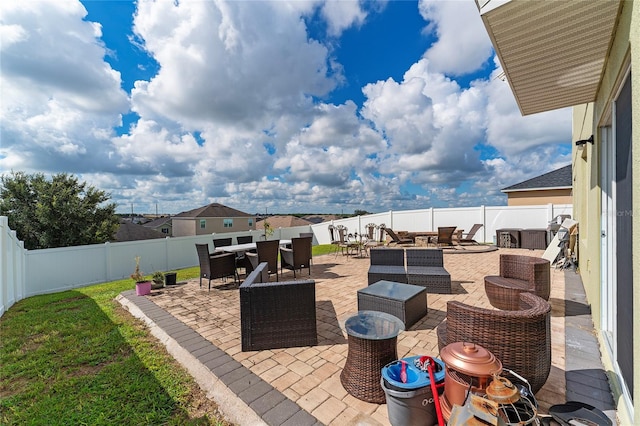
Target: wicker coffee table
{"points": [[372, 338], [404, 301]]}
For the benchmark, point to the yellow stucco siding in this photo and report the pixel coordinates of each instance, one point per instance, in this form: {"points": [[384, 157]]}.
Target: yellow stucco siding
{"points": [[587, 119]]}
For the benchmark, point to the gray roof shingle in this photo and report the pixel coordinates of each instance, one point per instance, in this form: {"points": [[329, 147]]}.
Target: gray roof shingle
{"points": [[556, 179], [212, 210]]}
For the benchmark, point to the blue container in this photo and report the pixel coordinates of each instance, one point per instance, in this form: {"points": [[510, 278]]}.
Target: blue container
{"points": [[410, 403], [416, 378]]}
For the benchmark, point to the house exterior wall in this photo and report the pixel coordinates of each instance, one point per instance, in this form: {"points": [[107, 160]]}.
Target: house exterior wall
{"points": [[182, 227], [587, 192], [541, 197], [213, 225]]}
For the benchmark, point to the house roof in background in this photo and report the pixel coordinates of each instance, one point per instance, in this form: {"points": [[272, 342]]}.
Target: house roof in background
{"points": [[556, 179], [156, 223], [319, 218], [133, 232], [212, 210], [283, 222]]}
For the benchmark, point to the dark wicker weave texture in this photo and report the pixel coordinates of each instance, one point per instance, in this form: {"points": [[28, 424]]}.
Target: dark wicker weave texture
{"points": [[387, 264], [425, 268], [533, 239], [215, 266], [409, 310], [518, 274], [276, 314], [520, 339], [266, 251], [362, 370], [298, 256]]}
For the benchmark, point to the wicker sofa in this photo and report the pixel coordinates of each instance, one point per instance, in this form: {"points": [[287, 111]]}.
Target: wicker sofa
{"points": [[387, 264], [518, 274], [521, 339], [425, 267], [276, 314]]}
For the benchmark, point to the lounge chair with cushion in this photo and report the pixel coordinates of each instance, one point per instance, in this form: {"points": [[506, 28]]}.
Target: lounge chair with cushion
{"points": [[521, 339]]}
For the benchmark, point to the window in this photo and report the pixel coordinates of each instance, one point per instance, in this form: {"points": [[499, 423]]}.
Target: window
{"points": [[250, 222], [228, 223], [165, 230], [203, 223]]}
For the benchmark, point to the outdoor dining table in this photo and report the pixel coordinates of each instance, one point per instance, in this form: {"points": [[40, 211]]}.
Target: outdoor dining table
{"points": [[245, 247]]}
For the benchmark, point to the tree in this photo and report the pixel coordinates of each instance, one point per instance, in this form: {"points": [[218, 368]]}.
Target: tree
{"points": [[60, 212]]}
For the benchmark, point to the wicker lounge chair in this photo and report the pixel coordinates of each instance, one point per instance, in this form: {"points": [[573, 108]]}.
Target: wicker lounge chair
{"points": [[521, 339], [298, 256], [425, 267], [276, 315], [468, 237], [266, 251], [395, 239], [387, 264], [518, 274], [215, 266]]}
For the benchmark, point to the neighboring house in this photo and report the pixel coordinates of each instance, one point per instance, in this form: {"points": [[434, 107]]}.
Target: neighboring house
{"points": [[283, 222], [320, 218], [129, 231], [161, 224], [550, 188], [213, 218], [586, 54]]}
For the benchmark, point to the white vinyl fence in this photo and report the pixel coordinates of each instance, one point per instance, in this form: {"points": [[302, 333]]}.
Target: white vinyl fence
{"points": [[25, 273]]}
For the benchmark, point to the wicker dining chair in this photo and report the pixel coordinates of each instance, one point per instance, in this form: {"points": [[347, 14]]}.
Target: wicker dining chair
{"points": [[266, 251], [298, 256], [222, 242], [214, 266], [521, 339]]}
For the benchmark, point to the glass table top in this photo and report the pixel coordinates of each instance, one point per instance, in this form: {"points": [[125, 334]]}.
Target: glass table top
{"points": [[373, 325], [392, 290]]}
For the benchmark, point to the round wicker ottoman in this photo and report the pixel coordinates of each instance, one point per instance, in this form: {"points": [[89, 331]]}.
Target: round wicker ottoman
{"points": [[372, 339]]}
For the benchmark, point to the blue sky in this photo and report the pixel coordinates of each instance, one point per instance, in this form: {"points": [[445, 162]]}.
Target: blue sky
{"points": [[289, 106]]}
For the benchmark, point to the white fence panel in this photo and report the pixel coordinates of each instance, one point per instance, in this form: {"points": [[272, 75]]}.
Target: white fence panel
{"points": [[12, 267], [26, 273]]}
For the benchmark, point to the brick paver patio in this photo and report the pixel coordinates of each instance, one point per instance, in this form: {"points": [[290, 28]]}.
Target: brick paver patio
{"points": [[310, 376]]}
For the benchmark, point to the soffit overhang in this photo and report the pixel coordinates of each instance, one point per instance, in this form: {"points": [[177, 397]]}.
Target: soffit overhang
{"points": [[553, 53]]}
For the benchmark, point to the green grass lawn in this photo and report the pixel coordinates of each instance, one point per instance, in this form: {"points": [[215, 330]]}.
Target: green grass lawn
{"points": [[77, 357]]}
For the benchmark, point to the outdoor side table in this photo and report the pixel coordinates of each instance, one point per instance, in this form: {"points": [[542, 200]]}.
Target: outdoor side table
{"points": [[406, 302], [372, 340]]}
